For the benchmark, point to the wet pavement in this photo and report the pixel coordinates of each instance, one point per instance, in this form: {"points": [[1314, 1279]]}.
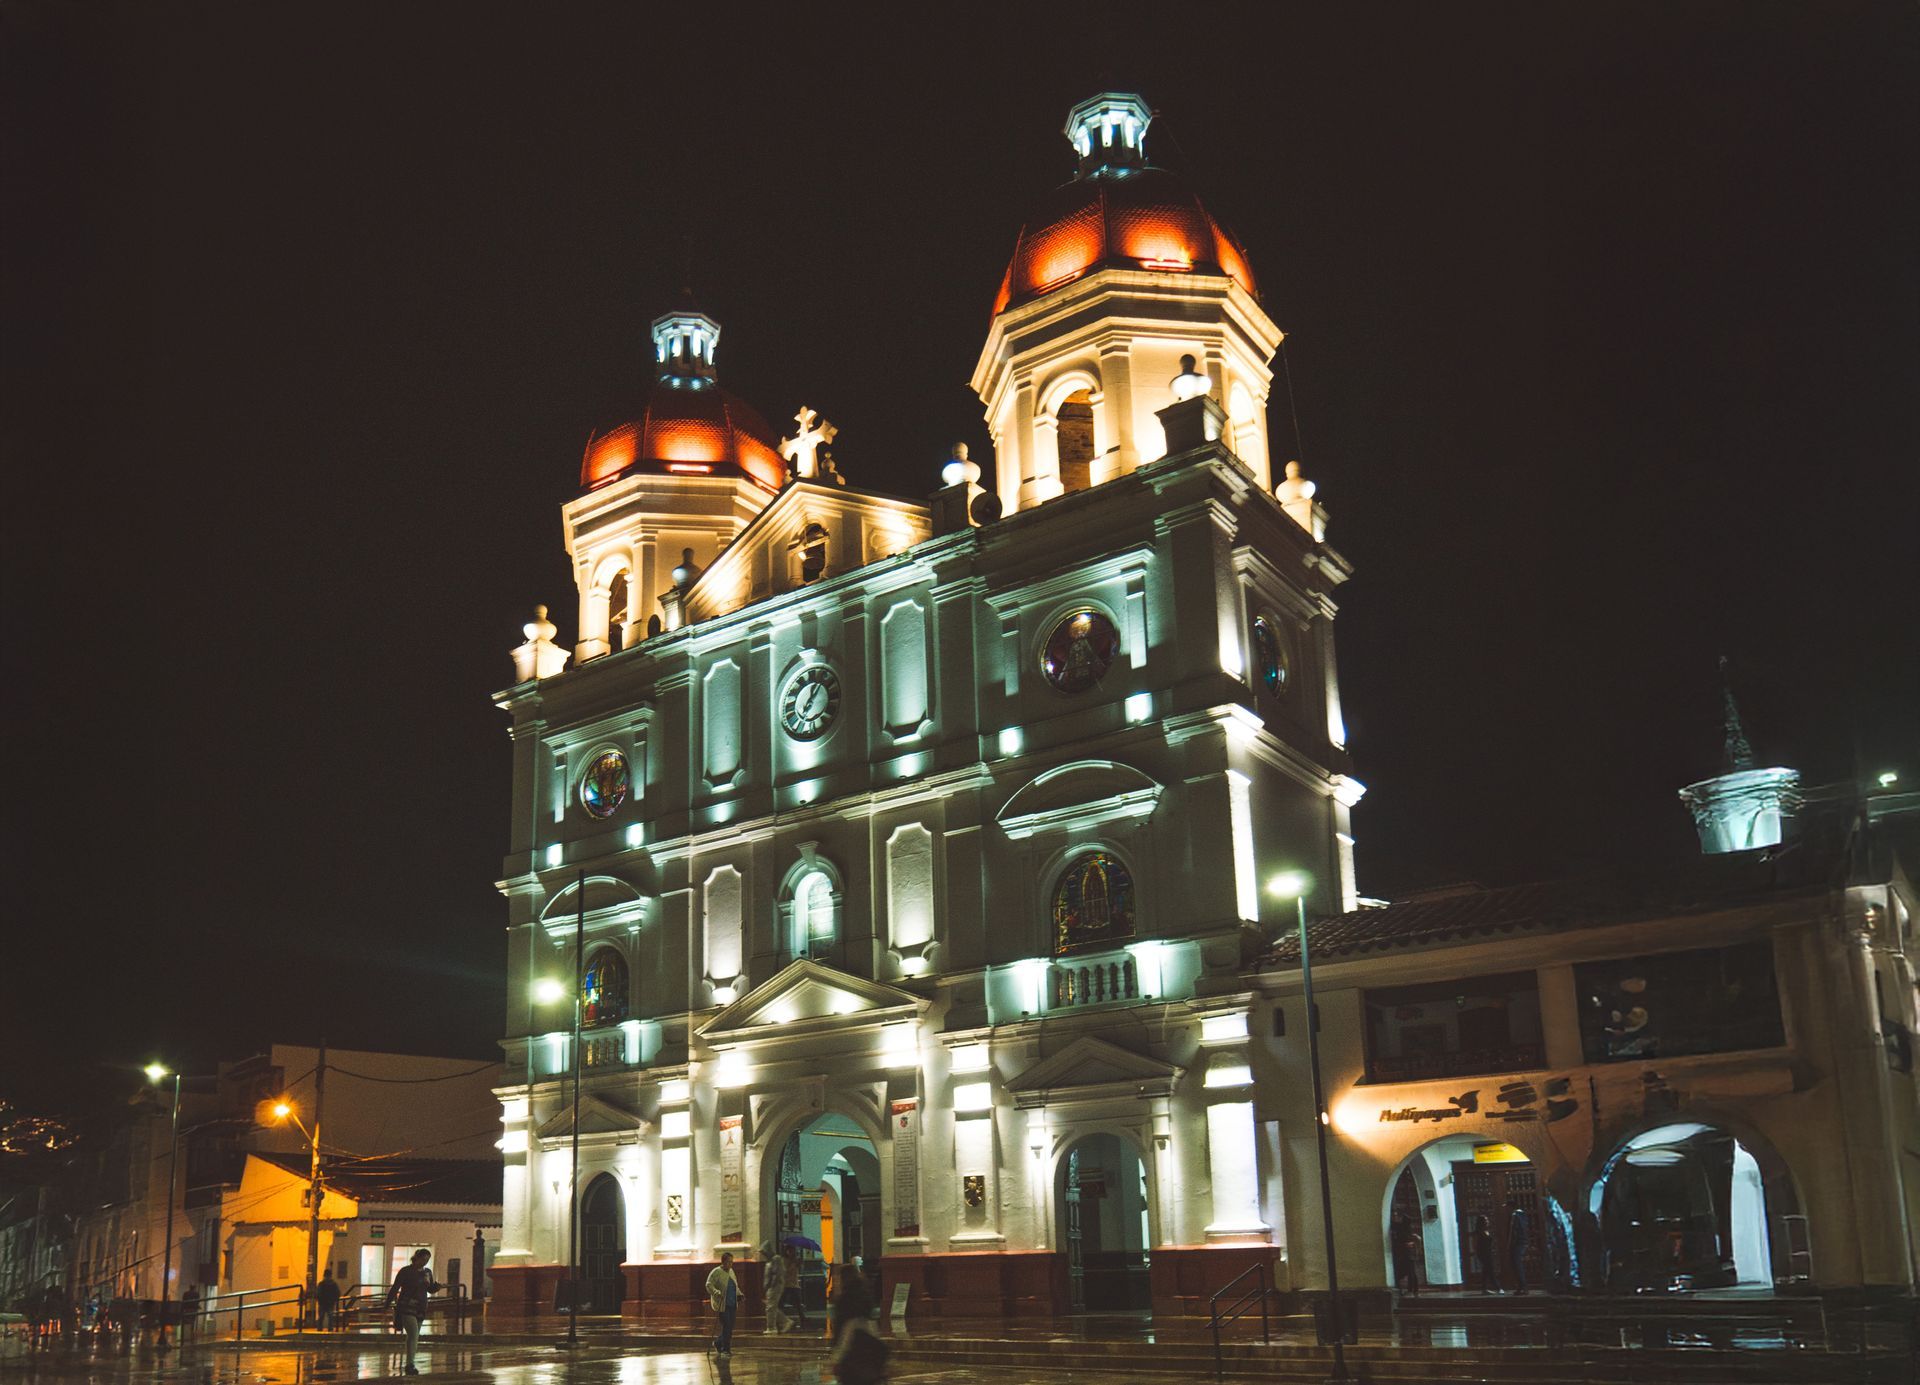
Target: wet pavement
{"points": [[513, 1365], [1534, 1342]]}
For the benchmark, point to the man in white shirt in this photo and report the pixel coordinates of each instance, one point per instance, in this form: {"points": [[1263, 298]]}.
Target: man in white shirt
{"points": [[723, 1293]]}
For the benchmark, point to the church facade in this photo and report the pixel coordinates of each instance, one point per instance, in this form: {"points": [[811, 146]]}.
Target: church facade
{"points": [[904, 866], [905, 858]]}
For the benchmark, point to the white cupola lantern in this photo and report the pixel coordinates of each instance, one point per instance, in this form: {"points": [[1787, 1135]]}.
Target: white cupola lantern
{"points": [[1109, 132], [684, 345]]}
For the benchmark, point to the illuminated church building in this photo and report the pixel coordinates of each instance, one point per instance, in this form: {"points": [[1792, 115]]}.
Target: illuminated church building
{"points": [[920, 851]]}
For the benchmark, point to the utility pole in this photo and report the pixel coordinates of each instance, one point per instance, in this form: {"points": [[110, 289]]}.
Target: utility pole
{"points": [[573, 1201], [315, 1187]]}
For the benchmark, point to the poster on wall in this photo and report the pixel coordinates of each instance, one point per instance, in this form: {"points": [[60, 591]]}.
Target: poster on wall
{"points": [[733, 1225], [904, 1116]]}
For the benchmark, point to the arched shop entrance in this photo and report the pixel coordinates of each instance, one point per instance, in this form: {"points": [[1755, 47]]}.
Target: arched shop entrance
{"points": [[603, 1244], [1437, 1200], [1102, 1196], [1688, 1206], [826, 1190]]}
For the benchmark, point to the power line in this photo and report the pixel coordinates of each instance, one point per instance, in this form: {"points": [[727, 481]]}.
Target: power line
{"points": [[411, 1081]]}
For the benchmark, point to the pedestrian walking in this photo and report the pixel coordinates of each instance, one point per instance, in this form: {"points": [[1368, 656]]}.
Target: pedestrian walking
{"points": [[37, 1321], [189, 1313], [773, 1269], [1519, 1242], [1406, 1255], [859, 1357], [852, 1300], [1480, 1238], [412, 1287], [794, 1301], [723, 1293], [326, 1301]]}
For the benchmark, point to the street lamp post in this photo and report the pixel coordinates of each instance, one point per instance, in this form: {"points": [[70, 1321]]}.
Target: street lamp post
{"points": [[550, 991], [1296, 884], [157, 1073]]}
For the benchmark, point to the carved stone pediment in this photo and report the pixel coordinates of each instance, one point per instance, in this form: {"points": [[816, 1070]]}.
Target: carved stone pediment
{"points": [[1090, 1069], [805, 994], [601, 1122]]}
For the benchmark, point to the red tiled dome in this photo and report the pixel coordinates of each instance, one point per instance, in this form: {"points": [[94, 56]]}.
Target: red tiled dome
{"points": [[1146, 219], [687, 428]]}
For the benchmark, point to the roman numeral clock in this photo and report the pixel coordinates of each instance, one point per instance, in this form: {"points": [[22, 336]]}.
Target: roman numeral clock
{"points": [[810, 703]]}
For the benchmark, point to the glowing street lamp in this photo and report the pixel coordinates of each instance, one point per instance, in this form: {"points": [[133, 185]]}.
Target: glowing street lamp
{"points": [[1294, 884], [156, 1074]]}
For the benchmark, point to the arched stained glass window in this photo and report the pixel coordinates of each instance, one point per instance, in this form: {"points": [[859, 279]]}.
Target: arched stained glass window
{"points": [[1079, 651], [1093, 902], [603, 991], [604, 785]]}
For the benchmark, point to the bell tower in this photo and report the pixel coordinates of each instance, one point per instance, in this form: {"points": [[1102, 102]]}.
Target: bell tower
{"points": [[1118, 276]]}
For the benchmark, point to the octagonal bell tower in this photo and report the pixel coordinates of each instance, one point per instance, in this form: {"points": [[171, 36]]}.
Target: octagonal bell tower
{"points": [[1119, 275]]}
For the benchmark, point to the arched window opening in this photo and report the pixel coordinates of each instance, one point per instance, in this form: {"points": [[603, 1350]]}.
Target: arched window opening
{"points": [[813, 553], [603, 990], [617, 611], [815, 925], [1074, 420], [1092, 902]]}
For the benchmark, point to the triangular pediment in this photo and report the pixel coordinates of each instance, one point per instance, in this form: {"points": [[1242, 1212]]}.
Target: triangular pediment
{"points": [[1093, 1067], [598, 1118], [811, 991]]}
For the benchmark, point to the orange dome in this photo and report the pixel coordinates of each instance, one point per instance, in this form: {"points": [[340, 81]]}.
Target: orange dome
{"points": [[1146, 218], [687, 427]]}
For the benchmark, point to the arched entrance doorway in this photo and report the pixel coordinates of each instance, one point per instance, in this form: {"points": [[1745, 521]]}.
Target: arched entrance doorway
{"points": [[826, 1194], [1688, 1206], [603, 1244], [1472, 1214], [1103, 1225]]}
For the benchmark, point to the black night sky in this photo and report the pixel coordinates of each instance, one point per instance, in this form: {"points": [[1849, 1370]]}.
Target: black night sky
{"points": [[1601, 327]]}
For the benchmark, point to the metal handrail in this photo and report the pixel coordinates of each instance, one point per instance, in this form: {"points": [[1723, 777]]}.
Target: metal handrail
{"points": [[1237, 1309]]}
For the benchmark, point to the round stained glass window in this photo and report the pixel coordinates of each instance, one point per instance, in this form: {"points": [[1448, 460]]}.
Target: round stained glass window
{"points": [[1093, 902], [1273, 659], [603, 788], [1079, 651]]}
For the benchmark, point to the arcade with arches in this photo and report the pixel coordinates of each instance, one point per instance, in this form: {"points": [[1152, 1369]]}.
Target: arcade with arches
{"points": [[1675, 1207]]}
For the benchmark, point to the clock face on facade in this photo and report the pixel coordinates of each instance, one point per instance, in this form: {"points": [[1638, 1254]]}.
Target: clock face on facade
{"points": [[810, 703]]}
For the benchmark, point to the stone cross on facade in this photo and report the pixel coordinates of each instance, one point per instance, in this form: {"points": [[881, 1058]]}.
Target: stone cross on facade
{"points": [[802, 451]]}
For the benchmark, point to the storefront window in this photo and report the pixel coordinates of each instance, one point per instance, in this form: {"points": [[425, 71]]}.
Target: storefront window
{"points": [[1714, 1000], [1454, 1028]]}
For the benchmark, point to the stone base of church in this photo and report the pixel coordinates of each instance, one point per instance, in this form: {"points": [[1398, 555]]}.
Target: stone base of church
{"points": [[979, 1284], [1185, 1278], [675, 1291], [524, 1295]]}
